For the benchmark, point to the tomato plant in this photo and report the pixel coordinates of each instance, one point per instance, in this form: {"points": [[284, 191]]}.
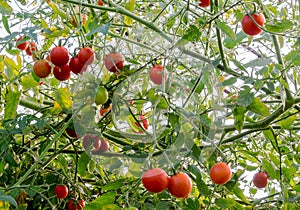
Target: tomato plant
{"points": [[220, 173], [86, 56], [204, 3], [156, 74], [21, 44], [180, 185], [249, 27], [101, 95], [114, 61], [103, 148], [31, 49], [91, 142], [155, 180], [42, 68], [61, 191], [76, 205], [76, 66], [62, 73], [260, 179], [59, 56]]}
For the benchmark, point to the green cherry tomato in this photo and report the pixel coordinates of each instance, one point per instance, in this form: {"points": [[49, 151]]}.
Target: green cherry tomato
{"points": [[101, 95]]}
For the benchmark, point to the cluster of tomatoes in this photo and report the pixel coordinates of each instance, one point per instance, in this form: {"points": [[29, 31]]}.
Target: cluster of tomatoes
{"points": [[179, 185], [61, 192], [94, 144]]}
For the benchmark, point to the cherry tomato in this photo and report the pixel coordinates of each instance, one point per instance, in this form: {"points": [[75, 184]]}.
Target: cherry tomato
{"points": [[114, 62], [91, 142], [143, 121], [156, 74], [180, 185], [249, 26], [86, 56], [59, 56], [76, 205], [220, 173], [103, 148], [42, 68], [204, 3], [61, 191], [260, 179], [100, 3], [76, 66], [104, 109], [22, 45], [31, 48], [62, 73], [72, 133], [155, 180], [101, 95]]}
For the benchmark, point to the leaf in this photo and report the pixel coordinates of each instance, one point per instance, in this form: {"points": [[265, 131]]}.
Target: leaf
{"points": [[269, 168], [12, 101], [104, 200], [82, 163], [287, 122], [225, 203], [202, 187], [226, 29], [240, 194], [5, 23], [130, 5], [280, 26], [5, 8], [297, 188], [239, 117], [245, 97], [28, 82], [63, 97], [113, 185], [258, 62], [229, 81], [9, 199], [294, 57], [259, 107], [173, 119], [192, 34], [12, 67], [102, 29]]}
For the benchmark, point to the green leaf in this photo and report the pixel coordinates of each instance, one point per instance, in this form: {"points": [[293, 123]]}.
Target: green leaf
{"points": [[12, 101], [202, 187], [230, 81], [83, 163], [226, 29], [225, 203], [5, 23], [297, 188], [173, 119], [294, 57], [239, 117], [102, 201], [113, 185], [259, 107], [63, 97], [287, 122], [269, 168], [245, 97], [240, 194], [192, 34], [28, 82], [280, 26], [102, 29], [5, 8], [9, 199], [258, 62], [231, 43]]}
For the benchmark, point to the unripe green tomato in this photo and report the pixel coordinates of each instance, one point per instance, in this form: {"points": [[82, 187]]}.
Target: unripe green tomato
{"points": [[101, 95]]}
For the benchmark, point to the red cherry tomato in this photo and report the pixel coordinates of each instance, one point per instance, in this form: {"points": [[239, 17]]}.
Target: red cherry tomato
{"points": [[260, 179], [156, 74], [249, 26], [155, 180], [22, 45], [62, 73], [100, 3], [220, 173], [86, 56], [103, 148], [180, 185], [204, 3], [76, 66], [42, 68], [31, 48], [143, 121], [61, 191], [76, 205], [91, 142], [59, 56], [114, 62]]}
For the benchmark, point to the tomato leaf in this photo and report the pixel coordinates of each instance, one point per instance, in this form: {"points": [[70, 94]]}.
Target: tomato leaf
{"points": [[83, 163], [12, 101], [28, 82], [225, 203], [245, 97], [113, 185], [269, 168], [280, 26], [102, 29], [63, 98], [226, 29], [5, 8], [259, 107], [5, 23], [9, 199], [130, 5], [240, 194], [287, 122], [239, 117], [103, 200]]}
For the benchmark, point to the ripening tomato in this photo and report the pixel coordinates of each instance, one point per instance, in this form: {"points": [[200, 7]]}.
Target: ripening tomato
{"points": [[204, 3], [114, 61], [31, 49], [86, 56], [100, 3], [42, 68], [62, 73], [91, 142], [76, 66], [104, 109], [103, 148], [220, 173], [156, 74], [59, 56], [260, 179], [76, 205], [249, 26], [61, 191], [180, 185], [21, 44], [155, 180]]}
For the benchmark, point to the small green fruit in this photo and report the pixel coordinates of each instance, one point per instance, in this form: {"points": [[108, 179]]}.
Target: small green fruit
{"points": [[101, 95]]}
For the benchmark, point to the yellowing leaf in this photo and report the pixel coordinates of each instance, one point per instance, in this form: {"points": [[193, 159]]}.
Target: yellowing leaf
{"points": [[56, 108], [28, 82], [63, 97], [259, 107], [130, 7], [11, 103]]}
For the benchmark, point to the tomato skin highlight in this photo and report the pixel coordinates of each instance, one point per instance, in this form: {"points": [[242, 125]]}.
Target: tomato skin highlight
{"points": [[156, 74], [21, 46], [204, 3], [249, 26], [76, 66], [86, 56], [61, 191], [114, 61], [220, 173], [59, 56], [260, 179], [180, 185], [42, 68], [62, 73], [155, 180]]}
